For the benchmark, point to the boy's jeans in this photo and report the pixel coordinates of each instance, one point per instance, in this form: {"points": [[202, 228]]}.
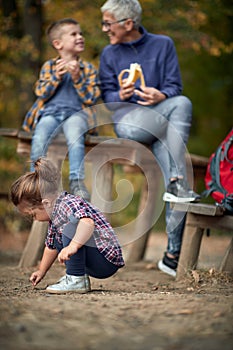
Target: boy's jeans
{"points": [[169, 151], [74, 128]]}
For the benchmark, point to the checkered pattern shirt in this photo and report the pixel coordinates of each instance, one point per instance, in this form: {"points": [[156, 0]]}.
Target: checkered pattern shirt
{"points": [[68, 206], [87, 88]]}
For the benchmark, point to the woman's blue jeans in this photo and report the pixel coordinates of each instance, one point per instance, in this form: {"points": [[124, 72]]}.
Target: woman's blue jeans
{"points": [[74, 128], [169, 149]]}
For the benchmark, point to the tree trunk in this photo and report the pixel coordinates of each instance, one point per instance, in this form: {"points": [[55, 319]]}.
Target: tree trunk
{"points": [[32, 27], [10, 10]]}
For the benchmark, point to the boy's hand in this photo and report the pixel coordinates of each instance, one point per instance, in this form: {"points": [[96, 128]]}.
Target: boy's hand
{"points": [[74, 69], [36, 277], [61, 68]]}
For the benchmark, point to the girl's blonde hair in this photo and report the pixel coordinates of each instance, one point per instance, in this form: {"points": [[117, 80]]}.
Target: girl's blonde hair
{"points": [[34, 186]]}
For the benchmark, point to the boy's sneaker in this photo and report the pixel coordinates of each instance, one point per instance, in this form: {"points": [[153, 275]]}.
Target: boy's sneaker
{"points": [[78, 188], [69, 283], [168, 265], [179, 192]]}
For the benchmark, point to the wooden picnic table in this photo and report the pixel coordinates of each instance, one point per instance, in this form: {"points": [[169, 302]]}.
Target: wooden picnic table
{"points": [[103, 152], [201, 216]]}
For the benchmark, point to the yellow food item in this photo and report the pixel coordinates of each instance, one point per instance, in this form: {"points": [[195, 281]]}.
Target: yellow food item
{"points": [[135, 73]]}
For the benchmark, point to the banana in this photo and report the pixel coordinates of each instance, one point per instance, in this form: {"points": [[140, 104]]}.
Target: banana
{"points": [[135, 73]]}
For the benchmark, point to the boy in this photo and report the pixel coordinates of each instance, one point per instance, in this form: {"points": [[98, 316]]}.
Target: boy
{"points": [[66, 86]]}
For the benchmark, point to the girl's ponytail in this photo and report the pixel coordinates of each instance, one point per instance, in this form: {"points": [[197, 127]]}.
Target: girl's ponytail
{"points": [[36, 185], [46, 171]]}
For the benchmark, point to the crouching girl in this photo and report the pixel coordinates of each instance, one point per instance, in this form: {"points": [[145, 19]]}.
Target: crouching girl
{"points": [[78, 233]]}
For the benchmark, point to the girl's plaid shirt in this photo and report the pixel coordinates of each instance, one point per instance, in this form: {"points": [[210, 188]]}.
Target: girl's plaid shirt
{"points": [[68, 207], [87, 88]]}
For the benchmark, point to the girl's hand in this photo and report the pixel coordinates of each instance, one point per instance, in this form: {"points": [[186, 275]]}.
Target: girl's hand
{"points": [[67, 252], [36, 277], [83, 232], [150, 95]]}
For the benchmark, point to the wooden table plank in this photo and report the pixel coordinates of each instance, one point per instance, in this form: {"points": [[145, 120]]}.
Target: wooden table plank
{"points": [[199, 208]]}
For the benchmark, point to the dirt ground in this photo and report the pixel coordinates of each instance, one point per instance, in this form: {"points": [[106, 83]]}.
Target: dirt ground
{"points": [[138, 308]]}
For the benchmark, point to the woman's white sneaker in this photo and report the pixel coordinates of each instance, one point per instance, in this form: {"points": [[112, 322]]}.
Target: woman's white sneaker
{"points": [[179, 192]]}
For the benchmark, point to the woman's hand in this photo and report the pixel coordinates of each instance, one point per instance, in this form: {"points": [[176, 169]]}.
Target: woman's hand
{"points": [[127, 90], [68, 251], [36, 277], [150, 95]]}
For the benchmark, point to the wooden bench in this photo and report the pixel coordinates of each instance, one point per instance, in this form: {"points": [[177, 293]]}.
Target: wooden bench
{"points": [[200, 217], [102, 152]]}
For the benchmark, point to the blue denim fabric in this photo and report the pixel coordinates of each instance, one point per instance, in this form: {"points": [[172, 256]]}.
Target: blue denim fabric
{"points": [[168, 148], [74, 128], [88, 259]]}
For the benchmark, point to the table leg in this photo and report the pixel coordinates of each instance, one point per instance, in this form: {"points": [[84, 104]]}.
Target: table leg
{"points": [[190, 248]]}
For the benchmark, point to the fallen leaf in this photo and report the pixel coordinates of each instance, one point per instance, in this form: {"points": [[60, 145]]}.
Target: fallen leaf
{"points": [[196, 276], [150, 266], [211, 271], [185, 312]]}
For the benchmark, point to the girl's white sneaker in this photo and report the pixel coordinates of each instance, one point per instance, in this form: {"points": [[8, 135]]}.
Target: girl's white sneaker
{"points": [[69, 283]]}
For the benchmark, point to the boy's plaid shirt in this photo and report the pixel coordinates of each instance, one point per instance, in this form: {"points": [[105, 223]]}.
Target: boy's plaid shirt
{"points": [[70, 209], [87, 88]]}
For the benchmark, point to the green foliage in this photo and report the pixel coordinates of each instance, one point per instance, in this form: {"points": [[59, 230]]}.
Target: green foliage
{"points": [[201, 30], [205, 55], [10, 164], [11, 167], [11, 220]]}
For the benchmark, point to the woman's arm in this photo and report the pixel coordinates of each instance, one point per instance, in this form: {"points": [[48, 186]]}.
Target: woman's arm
{"points": [[83, 232]]}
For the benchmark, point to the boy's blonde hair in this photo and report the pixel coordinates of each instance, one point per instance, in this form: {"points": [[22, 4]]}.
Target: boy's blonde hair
{"points": [[36, 185], [54, 31]]}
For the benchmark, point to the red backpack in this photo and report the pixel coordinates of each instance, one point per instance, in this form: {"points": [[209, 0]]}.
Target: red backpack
{"points": [[219, 174]]}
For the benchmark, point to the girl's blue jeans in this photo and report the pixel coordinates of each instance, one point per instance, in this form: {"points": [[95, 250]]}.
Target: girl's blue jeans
{"points": [[88, 260], [74, 128], [169, 149]]}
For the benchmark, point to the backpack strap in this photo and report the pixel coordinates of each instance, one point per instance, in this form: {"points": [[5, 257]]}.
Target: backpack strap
{"points": [[215, 172], [227, 203], [228, 145]]}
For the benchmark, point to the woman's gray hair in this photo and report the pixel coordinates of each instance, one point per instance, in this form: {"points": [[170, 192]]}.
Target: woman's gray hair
{"points": [[124, 9]]}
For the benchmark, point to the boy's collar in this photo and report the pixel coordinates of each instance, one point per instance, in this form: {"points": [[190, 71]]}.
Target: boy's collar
{"points": [[81, 64], [59, 57]]}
